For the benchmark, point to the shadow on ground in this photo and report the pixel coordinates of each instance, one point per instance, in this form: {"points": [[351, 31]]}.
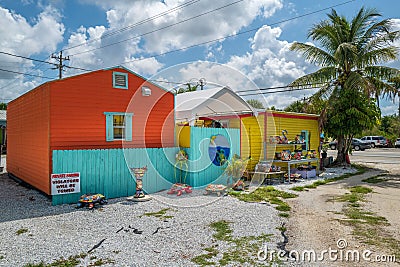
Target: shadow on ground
{"points": [[18, 202]]}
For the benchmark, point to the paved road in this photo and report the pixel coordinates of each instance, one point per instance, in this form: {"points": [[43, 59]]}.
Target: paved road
{"points": [[373, 155]]}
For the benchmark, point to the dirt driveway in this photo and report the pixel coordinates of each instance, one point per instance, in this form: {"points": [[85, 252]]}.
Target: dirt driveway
{"points": [[318, 221]]}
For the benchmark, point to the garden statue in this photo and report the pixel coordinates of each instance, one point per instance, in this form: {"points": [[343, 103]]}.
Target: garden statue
{"points": [[139, 173], [180, 185]]}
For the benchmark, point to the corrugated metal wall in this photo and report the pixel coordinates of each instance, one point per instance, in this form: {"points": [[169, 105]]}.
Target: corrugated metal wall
{"points": [[28, 155], [252, 134], [78, 104], [106, 171], [202, 170]]}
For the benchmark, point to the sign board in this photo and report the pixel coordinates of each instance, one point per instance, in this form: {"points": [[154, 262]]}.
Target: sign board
{"points": [[65, 183]]}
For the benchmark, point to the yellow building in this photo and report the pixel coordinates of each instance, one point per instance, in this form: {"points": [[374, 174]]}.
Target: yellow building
{"points": [[222, 108]]}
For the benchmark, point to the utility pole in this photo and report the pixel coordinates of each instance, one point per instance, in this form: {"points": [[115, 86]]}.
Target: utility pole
{"points": [[60, 66]]}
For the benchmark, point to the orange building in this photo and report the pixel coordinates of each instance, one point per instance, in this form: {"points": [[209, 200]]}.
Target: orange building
{"points": [[104, 109]]}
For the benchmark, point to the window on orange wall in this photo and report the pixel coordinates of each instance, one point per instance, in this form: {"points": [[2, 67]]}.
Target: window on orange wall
{"points": [[118, 126], [120, 80]]}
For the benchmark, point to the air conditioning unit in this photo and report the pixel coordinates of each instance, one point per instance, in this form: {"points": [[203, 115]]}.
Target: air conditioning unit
{"points": [[146, 91]]}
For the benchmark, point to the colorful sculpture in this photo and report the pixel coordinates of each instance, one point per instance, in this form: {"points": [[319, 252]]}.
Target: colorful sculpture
{"points": [[90, 200], [180, 186], [179, 189], [139, 173], [181, 161]]}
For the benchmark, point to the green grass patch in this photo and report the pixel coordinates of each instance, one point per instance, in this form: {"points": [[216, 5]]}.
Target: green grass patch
{"points": [[360, 189], [281, 228], [283, 214], [62, 262], [298, 188], [268, 194], [360, 170], [240, 250], [21, 231], [161, 214], [375, 179], [204, 259], [356, 195], [222, 229], [72, 261], [367, 226]]}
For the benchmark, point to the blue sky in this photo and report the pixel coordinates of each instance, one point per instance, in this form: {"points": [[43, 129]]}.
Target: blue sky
{"points": [[258, 58]]}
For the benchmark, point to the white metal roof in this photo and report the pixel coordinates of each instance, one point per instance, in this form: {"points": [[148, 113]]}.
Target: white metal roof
{"points": [[218, 101]]}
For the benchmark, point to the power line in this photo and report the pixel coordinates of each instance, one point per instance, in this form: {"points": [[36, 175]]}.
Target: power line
{"points": [[237, 34], [17, 72], [159, 29], [32, 59], [280, 87], [159, 15], [280, 91], [176, 50]]}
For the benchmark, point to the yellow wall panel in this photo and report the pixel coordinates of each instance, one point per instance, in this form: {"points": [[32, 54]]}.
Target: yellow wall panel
{"points": [[183, 136]]}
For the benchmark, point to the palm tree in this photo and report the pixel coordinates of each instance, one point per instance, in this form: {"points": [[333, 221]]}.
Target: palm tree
{"points": [[190, 88], [349, 58]]}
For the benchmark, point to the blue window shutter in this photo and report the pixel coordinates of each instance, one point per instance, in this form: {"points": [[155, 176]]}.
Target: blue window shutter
{"points": [[109, 128], [128, 127]]}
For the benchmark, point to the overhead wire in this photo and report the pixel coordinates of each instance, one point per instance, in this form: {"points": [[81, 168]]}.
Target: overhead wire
{"points": [[156, 30], [180, 49], [159, 15], [237, 34], [280, 91], [23, 73]]}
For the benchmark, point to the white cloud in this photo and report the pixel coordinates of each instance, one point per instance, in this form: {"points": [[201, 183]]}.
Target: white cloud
{"points": [[389, 107], [126, 14], [220, 23], [23, 38], [143, 66], [20, 37], [270, 63]]}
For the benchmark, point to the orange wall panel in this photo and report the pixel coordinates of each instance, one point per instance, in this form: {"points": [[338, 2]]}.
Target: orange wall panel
{"points": [[28, 155], [78, 105]]}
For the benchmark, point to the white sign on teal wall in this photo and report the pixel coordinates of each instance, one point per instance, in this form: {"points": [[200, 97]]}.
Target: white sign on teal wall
{"points": [[65, 183]]}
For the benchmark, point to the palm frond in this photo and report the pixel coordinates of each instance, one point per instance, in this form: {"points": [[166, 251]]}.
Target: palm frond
{"points": [[381, 72], [361, 21], [383, 88], [316, 79], [326, 35], [346, 55], [355, 81], [313, 54], [378, 42], [377, 29], [324, 92]]}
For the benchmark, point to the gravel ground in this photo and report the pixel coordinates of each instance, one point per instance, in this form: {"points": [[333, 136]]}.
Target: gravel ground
{"points": [[53, 232], [62, 231]]}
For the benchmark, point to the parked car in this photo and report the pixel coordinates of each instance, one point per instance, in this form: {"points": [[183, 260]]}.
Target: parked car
{"points": [[375, 140], [356, 144], [397, 143]]}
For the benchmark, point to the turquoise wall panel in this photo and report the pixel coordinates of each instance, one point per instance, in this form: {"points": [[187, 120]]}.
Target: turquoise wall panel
{"points": [[201, 169], [107, 171]]}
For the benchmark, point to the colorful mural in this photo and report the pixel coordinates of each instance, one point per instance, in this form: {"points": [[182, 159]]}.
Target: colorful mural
{"points": [[219, 149]]}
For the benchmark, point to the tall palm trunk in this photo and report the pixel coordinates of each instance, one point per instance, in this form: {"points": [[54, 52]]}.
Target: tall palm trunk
{"points": [[341, 151]]}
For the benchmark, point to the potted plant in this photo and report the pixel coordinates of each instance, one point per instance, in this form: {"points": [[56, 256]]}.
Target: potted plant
{"points": [[235, 168]]}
